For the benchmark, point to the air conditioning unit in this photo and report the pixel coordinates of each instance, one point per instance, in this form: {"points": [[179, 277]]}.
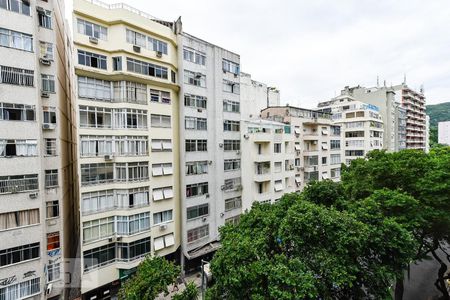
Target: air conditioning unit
{"points": [[198, 75], [238, 152], [220, 145], [137, 49], [45, 94], [199, 110], [222, 187], [238, 187], [314, 142], [49, 289], [246, 136], [207, 195], [162, 227], [158, 54], [45, 61], [108, 157], [209, 162], [204, 219], [299, 168], [112, 239], [45, 126], [119, 238], [93, 40], [33, 195], [291, 167]]}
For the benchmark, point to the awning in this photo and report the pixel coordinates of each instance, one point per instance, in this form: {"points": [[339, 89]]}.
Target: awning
{"points": [[159, 243], [156, 145], [325, 176], [157, 171], [169, 240], [157, 194], [168, 169], [168, 193], [278, 187], [297, 147], [167, 145], [297, 130], [325, 132]]}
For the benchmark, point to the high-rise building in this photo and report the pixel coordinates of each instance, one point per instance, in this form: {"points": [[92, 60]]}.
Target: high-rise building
{"points": [[126, 66], [361, 123], [444, 133], [210, 145], [416, 126], [317, 143], [37, 146]]}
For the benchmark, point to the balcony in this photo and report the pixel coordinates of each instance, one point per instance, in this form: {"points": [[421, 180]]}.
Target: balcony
{"points": [[261, 137]]}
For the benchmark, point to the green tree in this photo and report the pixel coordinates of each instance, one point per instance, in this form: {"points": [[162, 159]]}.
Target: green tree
{"points": [[190, 293], [153, 276]]}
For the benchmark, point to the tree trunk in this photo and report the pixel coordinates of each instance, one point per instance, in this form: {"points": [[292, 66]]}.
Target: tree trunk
{"points": [[399, 289], [440, 282]]}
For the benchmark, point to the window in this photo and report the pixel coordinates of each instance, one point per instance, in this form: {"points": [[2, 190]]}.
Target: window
{"points": [[92, 30], [95, 117], [44, 17], [137, 171], [335, 130], [197, 211], [231, 145], [197, 233], [48, 83], [51, 178], [231, 184], [162, 193], [196, 167], [98, 229], [351, 134], [195, 101], [127, 91], [195, 123], [196, 189], [16, 76], [278, 166], [335, 173], [164, 241], [194, 56], [231, 87], [233, 220], [278, 185], [160, 96], [354, 152], [12, 148], [311, 160], [46, 50], [96, 173], [162, 217], [277, 148], [335, 159], [233, 203], [92, 88], [100, 256], [355, 143], [231, 164], [117, 63], [231, 106], [231, 125], [144, 68], [123, 145], [21, 290], [133, 250], [52, 209], [359, 124], [49, 115], [128, 225], [130, 118], [196, 145], [162, 169], [194, 78], [104, 200], [335, 144], [93, 60], [229, 66], [160, 121], [18, 6], [53, 271], [16, 40], [18, 183], [17, 112], [147, 42], [19, 218], [19, 254], [53, 241], [324, 160], [161, 145]]}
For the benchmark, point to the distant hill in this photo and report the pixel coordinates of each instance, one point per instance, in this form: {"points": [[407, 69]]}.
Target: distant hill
{"points": [[438, 113]]}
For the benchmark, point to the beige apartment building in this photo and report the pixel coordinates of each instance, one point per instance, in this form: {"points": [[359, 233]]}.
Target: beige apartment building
{"points": [[126, 72], [317, 142], [37, 146], [361, 123]]}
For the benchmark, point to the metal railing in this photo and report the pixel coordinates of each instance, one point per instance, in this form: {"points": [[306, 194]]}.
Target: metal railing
{"points": [[18, 185]]}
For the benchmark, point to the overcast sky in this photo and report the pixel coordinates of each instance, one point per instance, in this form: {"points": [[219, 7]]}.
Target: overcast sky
{"points": [[311, 49]]}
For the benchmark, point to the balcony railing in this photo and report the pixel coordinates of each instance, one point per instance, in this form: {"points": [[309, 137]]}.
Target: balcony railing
{"points": [[17, 185]]}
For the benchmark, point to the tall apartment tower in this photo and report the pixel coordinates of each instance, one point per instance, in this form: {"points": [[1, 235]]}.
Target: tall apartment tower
{"points": [[416, 126], [268, 170], [37, 181], [317, 143], [210, 160], [444, 133], [126, 67], [361, 123]]}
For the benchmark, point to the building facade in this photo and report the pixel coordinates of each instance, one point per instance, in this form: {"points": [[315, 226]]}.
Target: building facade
{"points": [[361, 123], [37, 146], [317, 143], [126, 71], [444, 133], [210, 157]]}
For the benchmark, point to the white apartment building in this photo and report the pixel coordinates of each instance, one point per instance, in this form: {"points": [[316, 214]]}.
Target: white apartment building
{"points": [[268, 172], [256, 96], [444, 133], [126, 67], [361, 123], [210, 145], [400, 116], [37, 179], [317, 143]]}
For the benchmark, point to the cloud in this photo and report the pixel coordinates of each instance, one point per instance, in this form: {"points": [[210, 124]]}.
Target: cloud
{"points": [[312, 49]]}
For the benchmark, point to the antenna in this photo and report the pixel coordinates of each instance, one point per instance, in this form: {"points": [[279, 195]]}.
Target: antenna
{"points": [[378, 81], [404, 78]]}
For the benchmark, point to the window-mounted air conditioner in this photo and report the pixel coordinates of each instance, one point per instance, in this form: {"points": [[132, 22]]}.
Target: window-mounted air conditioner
{"points": [[137, 49], [45, 61], [159, 54], [33, 195], [93, 40], [45, 94], [108, 157], [162, 227]]}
